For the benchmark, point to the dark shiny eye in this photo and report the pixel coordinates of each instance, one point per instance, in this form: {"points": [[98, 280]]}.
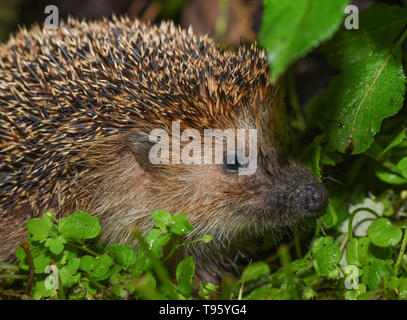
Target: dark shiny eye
{"points": [[231, 163]]}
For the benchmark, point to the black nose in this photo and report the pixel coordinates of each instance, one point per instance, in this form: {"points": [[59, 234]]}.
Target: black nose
{"points": [[316, 197]]}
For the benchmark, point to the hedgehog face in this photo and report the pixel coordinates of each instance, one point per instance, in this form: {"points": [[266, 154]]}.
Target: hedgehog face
{"points": [[281, 192]]}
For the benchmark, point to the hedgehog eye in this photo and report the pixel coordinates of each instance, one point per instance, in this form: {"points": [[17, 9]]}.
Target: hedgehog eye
{"points": [[231, 163]]}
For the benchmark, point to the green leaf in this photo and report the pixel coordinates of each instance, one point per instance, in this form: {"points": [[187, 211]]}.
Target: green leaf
{"points": [[79, 225], [156, 241], [255, 270], [352, 252], [394, 143], [185, 272], [55, 245], [69, 274], [98, 268], [363, 250], [162, 219], [181, 224], [372, 84], [383, 233], [290, 29], [207, 289], [268, 294], [330, 158], [39, 228], [22, 256], [402, 166], [326, 255], [380, 25], [124, 254], [41, 262], [40, 291], [207, 238], [86, 284], [177, 224], [359, 99], [402, 287], [376, 271], [308, 293], [312, 156], [146, 288], [390, 177]]}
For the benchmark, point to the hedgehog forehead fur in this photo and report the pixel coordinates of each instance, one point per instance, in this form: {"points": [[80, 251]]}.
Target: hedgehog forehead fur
{"points": [[88, 81]]}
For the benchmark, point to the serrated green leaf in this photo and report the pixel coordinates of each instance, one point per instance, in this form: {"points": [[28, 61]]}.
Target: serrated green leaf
{"points": [[379, 27], [55, 245], [372, 84], [326, 255], [181, 224], [383, 234], [98, 268], [156, 241], [40, 291], [69, 274], [124, 254], [41, 262], [39, 228], [290, 29], [184, 275], [79, 225], [162, 219], [376, 271], [359, 99]]}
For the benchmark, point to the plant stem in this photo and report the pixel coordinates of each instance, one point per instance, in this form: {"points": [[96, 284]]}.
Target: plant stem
{"points": [[352, 216], [400, 40], [13, 276], [344, 242], [157, 265], [9, 266], [83, 247], [401, 253], [174, 247]]}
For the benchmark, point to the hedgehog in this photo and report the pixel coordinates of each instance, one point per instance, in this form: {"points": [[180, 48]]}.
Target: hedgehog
{"points": [[78, 103]]}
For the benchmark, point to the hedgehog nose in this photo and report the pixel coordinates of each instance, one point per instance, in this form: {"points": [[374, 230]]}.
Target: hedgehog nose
{"points": [[316, 197]]}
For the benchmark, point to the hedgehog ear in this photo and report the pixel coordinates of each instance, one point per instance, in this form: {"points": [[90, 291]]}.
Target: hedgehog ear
{"points": [[151, 150]]}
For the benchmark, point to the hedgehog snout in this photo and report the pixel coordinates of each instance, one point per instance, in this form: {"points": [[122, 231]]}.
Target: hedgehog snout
{"points": [[314, 197]]}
